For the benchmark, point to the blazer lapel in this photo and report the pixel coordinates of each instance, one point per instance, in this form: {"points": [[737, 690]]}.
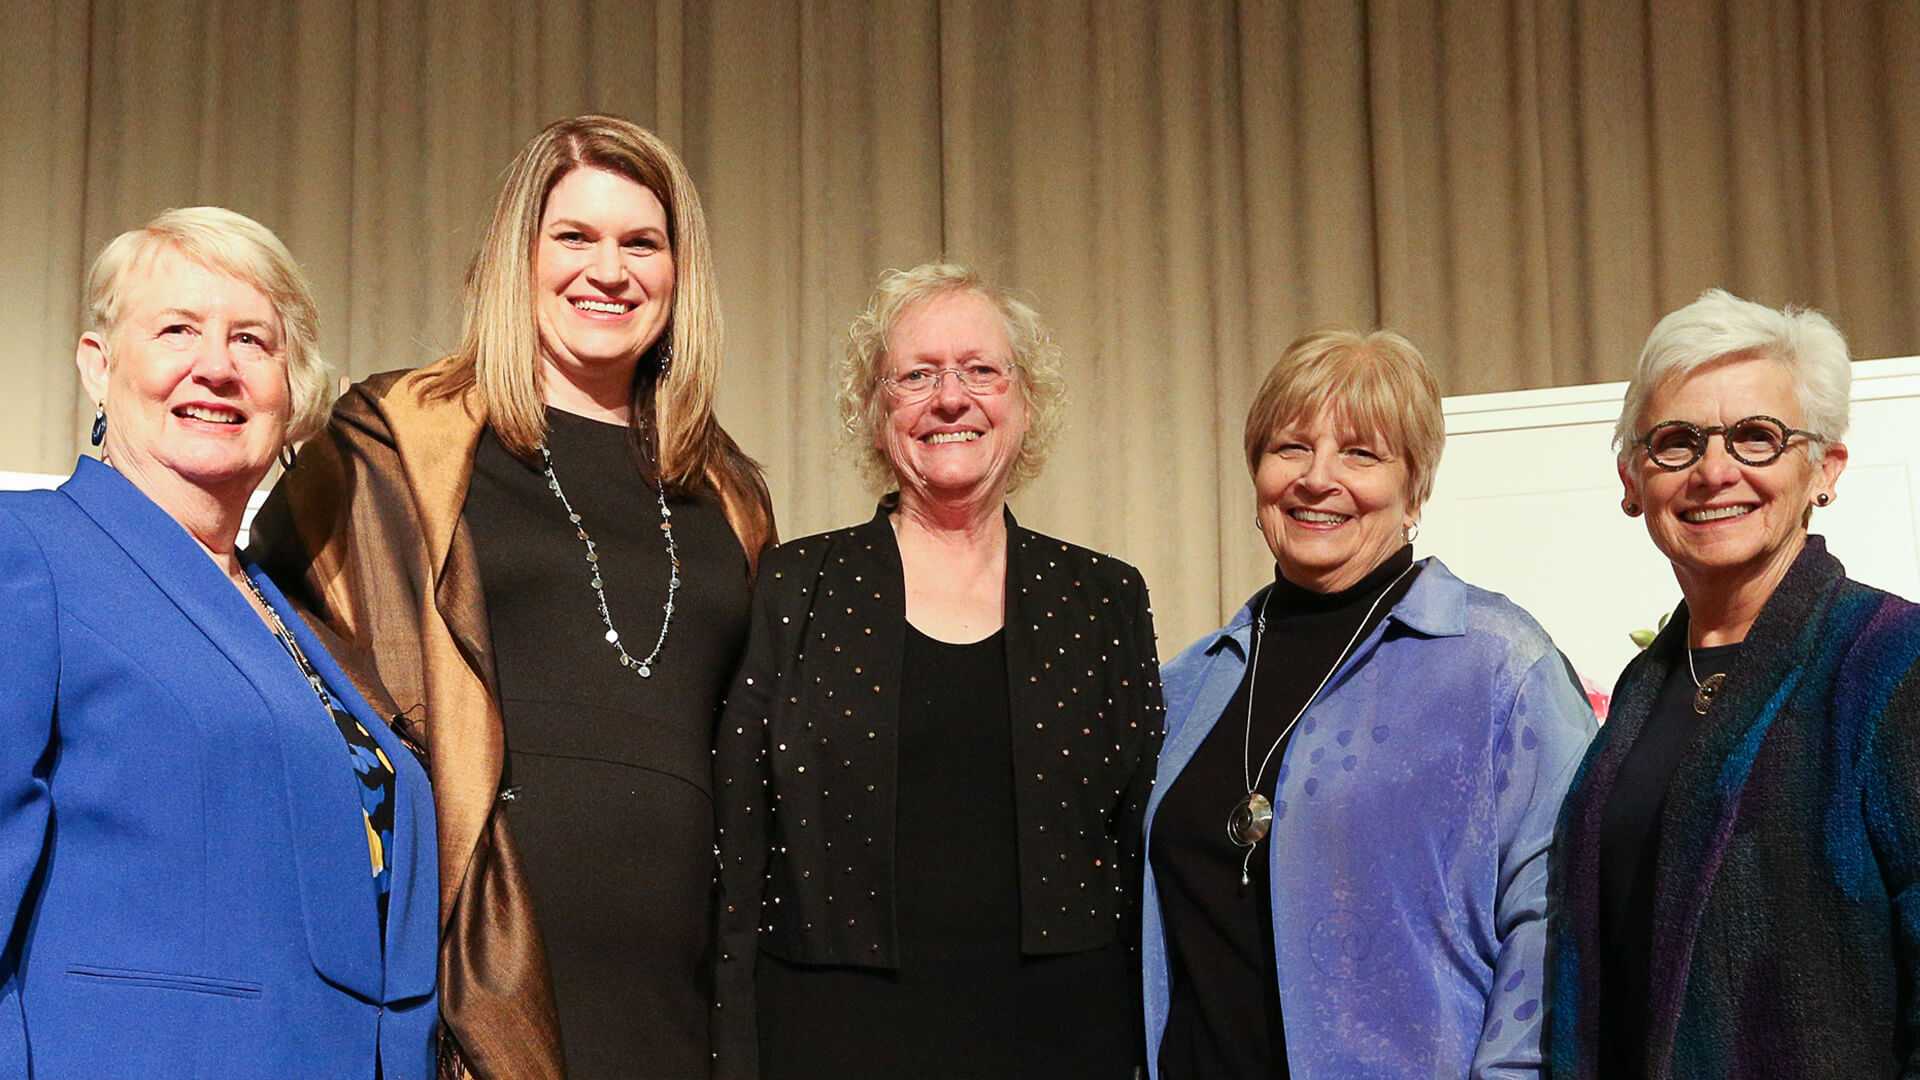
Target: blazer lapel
{"points": [[889, 653], [1025, 696], [1697, 821], [412, 914], [329, 844]]}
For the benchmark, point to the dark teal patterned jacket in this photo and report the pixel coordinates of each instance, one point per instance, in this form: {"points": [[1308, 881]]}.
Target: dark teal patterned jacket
{"points": [[1787, 892]]}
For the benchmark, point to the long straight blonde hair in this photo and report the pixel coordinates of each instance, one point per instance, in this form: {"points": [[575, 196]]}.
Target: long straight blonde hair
{"points": [[499, 353]]}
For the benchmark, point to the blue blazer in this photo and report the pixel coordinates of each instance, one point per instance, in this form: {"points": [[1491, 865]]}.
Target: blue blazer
{"points": [[184, 877]]}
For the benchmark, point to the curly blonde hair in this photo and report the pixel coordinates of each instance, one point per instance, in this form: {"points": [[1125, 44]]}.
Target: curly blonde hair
{"points": [[1037, 363]]}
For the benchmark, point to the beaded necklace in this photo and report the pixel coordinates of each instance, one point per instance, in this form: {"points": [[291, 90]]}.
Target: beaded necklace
{"points": [[292, 646], [642, 667]]}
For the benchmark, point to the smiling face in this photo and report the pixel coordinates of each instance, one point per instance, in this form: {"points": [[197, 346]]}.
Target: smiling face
{"points": [[954, 447], [603, 284], [193, 379], [1330, 501], [1721, 522]]}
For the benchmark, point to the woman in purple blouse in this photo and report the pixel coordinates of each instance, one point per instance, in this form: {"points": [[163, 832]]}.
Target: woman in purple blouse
{"points": [[1347, 837]]}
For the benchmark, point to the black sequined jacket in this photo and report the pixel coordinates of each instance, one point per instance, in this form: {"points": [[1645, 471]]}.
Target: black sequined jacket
{"points": [[805, 757]]}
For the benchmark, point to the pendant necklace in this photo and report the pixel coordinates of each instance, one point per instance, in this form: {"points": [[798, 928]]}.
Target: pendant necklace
{"points": [[642, 667], [1703, 692], [1252, 817]]}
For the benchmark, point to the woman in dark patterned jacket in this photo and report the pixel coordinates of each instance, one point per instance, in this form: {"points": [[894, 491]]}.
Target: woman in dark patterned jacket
{"points": [[1735, 890], [931, 765]]}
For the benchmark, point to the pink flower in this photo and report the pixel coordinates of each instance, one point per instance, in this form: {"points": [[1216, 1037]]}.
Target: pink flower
{"points": [[1596, 697]]}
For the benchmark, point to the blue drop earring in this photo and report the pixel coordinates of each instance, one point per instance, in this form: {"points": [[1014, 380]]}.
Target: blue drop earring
{"points": [[99, 424]]}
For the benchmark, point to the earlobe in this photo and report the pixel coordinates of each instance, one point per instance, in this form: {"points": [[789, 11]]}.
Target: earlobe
{"points": [[1629, 500], [90, 357], [1832, 464]]}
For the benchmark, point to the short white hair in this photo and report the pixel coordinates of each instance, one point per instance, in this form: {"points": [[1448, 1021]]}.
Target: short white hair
{"points": [[1719, 325], [240, 247]]}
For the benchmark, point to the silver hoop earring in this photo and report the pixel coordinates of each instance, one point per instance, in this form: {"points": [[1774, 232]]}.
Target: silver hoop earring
{"points": [[287, 456], [99, 424], [1410, 531]]}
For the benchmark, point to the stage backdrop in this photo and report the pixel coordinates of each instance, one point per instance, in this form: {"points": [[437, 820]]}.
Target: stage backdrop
{"points": [[1522, 186]]}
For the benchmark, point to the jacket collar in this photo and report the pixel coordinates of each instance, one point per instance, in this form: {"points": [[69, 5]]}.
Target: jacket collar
{"points": [[413, 925], [329, 846], [1435, 606]]}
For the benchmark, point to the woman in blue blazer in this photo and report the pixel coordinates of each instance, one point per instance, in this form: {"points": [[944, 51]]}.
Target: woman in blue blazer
{"points": [[215, 857]]}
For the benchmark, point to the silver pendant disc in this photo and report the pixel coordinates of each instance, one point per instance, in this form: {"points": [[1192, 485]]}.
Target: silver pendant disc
{"points": [[1250, 820]]}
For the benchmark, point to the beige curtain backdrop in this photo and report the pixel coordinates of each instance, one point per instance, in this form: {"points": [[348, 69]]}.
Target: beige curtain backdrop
{"points": [[1183, 187]]}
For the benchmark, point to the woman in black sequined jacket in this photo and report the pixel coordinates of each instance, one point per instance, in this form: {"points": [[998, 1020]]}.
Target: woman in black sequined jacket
{"points": [[931, 766]]}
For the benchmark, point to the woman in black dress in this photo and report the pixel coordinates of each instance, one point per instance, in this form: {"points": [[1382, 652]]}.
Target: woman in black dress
{"points": [[546, 540], [931, 766]]}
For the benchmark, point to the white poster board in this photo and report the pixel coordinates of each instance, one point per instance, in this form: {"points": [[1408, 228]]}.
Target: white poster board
{"points": [[1527, 503]]}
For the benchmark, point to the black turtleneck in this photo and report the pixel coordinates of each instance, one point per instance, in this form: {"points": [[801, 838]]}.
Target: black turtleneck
{"points": [[1224, 1017]]}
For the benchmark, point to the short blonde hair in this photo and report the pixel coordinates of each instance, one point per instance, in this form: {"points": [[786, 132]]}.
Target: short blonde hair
{"points": [[240, 247], [1378, 384], [1037, 364]]}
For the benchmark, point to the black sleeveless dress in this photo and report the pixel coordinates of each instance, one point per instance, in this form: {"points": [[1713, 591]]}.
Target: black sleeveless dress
{"points": [[610, 773]]}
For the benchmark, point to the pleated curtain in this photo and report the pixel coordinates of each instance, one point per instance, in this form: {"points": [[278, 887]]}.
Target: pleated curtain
{"points": [[1521, 186]]}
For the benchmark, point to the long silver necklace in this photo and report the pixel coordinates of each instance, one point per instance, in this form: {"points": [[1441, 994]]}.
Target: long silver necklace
{"points": [[1252, 817], [1704, 691], [642, 667]]}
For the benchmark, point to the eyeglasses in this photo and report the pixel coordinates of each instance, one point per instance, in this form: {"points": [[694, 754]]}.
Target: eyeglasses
{"points": [[1756, 440], [978, 379]]}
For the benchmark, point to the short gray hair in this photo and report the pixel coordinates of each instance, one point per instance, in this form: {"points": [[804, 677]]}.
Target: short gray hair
{"points": [[234, 244], [1719, 325], [1037, 361]]}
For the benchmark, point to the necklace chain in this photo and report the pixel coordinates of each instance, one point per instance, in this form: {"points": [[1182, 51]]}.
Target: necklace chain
{"points": [[1253, 801], [644, 666], [288, 643], [1260, 633]]}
